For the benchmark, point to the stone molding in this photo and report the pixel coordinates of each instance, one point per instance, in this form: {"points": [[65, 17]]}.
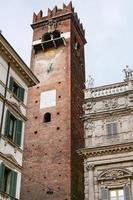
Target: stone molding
{"points": [[115, 173], [105, 150]]}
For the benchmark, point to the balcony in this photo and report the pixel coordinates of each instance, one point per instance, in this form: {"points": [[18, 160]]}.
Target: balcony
{"points": [[106, 140], [4, 196]]}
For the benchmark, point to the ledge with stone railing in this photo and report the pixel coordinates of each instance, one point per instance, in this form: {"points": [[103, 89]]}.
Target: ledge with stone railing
{"points": [[108, 89]]}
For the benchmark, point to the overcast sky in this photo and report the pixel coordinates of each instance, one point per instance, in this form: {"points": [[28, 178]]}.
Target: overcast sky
{"points": [[108, 25]]}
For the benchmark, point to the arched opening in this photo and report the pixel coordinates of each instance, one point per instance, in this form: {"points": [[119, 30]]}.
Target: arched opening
{"points": [[47, 117], [56, 34], [46, 37]]}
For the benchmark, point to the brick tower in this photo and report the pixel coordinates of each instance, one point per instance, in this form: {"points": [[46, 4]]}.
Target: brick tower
{"points": [[54, 131]]}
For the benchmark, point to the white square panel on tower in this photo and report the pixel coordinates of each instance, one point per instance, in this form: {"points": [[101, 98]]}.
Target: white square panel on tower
{"points": [[48, 99]]}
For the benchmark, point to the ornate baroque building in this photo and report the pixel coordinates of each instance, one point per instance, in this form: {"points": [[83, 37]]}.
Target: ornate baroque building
{"points": [[15, 78], [108, 152], [54, 131]]}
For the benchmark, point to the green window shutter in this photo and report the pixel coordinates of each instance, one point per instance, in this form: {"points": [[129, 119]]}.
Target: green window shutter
{"points": [[11, 83], [7, 123], [127, 192], [2, 170], [104, 194], [18, 132], [21, 94], [13, 184]]}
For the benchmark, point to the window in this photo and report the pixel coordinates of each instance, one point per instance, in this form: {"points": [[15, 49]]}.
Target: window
{"points": [[8, 180], [111, 128], [16, 89], [47, 117], [116, 194], [13, 128]]}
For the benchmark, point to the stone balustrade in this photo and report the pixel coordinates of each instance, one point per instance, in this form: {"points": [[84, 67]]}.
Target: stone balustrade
{"points": [[108, 89]]}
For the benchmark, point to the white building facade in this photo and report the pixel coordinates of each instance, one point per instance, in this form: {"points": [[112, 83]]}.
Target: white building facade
{"points": [[108, 152], [15, 78]]}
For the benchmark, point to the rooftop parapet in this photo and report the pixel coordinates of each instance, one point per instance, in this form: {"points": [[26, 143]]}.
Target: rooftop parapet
{"points": [[56, 13], [108, 89]]}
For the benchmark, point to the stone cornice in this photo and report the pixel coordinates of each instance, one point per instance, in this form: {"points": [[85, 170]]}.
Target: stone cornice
{"points": [[11, 56], [114, 112], [100, 98], [105, 150]]}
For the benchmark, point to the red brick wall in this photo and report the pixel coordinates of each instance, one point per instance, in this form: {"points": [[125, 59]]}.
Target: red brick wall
{"points": [[50, 158]]}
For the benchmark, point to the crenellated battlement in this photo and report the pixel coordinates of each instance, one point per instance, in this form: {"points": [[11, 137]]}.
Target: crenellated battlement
{"points": [[56, 13]]}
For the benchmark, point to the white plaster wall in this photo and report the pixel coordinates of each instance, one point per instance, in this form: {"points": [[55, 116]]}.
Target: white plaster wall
{"points": [[3, 70], [6, 148]]}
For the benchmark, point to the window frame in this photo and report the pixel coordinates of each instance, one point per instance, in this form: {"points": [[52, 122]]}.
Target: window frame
{"points": [[20, 94], [16, 136], [116, 190], [113, 126]]}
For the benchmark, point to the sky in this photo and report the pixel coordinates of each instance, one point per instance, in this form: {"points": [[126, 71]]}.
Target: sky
{"points": [[108, 27]]}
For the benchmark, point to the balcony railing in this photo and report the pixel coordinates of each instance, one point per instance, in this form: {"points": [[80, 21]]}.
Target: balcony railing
{"points": [[105, 140], [108, 89], [4, 196]]}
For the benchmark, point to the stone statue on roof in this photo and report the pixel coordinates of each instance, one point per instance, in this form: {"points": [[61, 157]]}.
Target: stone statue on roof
{"points": [[128, 73], [90, 82]]}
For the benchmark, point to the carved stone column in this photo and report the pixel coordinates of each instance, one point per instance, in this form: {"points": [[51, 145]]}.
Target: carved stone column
{"points": [[91, 181]]}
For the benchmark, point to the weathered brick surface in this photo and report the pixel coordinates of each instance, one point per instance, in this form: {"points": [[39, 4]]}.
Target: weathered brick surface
{"points": [[50, 158]]}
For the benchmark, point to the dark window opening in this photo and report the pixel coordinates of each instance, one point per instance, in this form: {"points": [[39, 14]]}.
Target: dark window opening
{"points": [[7, 180], [12, 127], [47, 117], [111, 128], [46, 37], [56, 34], [15, 89]]}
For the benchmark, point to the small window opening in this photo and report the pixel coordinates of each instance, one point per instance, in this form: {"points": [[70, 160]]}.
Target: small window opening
{"points": [[56, 34], [46, 37], [7, 178], [47, 117]]}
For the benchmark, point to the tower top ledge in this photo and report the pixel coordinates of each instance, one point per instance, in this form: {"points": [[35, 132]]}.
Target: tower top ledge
{"points": [[56, 13]]}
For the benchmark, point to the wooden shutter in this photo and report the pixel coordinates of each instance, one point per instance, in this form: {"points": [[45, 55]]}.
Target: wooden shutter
{"points": [[127, 192], [13, 184], [11, 83], [104, 194], [18, 132], [2, 170], [21, 94], [7, 123]]}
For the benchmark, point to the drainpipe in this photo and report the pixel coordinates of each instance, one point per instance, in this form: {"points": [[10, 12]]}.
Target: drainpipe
{"points": [[4, 101]]}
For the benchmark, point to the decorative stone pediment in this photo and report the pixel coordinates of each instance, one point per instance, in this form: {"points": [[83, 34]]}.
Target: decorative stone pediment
{"points": [[113, 174]]}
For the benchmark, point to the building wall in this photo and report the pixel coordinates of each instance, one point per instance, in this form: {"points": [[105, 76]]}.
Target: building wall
{"points": [[108, 157], [15, 78], [50, 157]]}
